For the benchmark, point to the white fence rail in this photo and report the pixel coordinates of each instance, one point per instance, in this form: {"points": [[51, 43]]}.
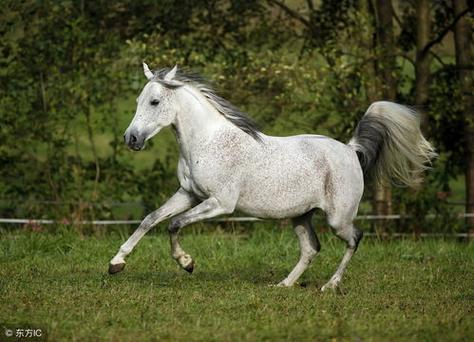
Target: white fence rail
{"points": [[222, 219]]}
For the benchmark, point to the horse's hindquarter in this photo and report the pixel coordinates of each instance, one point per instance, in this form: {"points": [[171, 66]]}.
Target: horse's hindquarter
{"points": [[288, 176]]}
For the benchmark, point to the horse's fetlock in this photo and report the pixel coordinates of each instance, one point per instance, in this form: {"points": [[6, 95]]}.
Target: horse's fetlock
{"points": [[176, 255], [125, 250]]}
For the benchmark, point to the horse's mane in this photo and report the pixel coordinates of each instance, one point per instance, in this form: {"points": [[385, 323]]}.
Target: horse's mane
{"points": [[229, 111]]}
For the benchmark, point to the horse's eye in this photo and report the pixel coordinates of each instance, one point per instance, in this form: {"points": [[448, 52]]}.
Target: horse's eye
{"points": [[155, 102]]}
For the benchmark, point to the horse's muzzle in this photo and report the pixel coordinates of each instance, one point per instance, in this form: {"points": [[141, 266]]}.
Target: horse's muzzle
{"points": [[134, 139]]}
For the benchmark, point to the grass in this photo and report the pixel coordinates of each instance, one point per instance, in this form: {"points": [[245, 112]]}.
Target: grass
{"points": [[401, 290]]}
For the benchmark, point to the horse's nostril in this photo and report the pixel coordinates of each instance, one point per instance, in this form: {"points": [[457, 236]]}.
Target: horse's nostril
{"points": [[133, 139]]}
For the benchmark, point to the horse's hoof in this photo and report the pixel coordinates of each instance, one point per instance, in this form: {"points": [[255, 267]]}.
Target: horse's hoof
{"points": [[116, 268], [189, 268]]}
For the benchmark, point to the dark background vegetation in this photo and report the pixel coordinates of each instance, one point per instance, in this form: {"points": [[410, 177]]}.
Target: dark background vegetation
{"points": [[70, 72]]}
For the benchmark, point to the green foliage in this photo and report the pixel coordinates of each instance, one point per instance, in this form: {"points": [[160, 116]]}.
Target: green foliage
{"points": [[69, 73]]}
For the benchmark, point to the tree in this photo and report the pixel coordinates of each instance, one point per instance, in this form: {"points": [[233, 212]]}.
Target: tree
{"points": [[423, 60], [387, 66], [462, 40]]}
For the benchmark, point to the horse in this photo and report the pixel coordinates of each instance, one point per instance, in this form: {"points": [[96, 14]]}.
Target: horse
{"points": [[227, 164]]}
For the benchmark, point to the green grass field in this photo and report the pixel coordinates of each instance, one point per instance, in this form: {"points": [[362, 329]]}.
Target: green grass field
{"points": [[394, 291]]}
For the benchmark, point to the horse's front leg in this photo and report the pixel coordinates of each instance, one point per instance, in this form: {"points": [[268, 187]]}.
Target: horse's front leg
{"points": [[207, 209], [178, 203]]}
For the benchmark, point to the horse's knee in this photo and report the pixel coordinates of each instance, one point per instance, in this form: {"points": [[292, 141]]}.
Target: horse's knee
{"points": [[309, 255], [148, 221]]}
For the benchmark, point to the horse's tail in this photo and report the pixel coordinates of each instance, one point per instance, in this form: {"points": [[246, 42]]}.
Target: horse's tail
{"points": [[390, 146]]}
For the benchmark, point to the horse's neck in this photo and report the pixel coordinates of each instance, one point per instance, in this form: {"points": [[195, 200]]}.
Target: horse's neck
{"points": [[196, 122]]}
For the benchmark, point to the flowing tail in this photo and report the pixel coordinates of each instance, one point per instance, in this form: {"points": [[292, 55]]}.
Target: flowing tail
{"points": [[390, 146]]}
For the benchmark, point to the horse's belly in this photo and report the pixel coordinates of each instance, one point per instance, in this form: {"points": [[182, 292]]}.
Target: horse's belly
{"points": [[281, 199], [276, 212]]}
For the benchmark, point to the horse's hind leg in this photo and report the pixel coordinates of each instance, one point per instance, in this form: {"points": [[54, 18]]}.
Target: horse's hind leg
{"points": [[352, 236], [309, 247]]}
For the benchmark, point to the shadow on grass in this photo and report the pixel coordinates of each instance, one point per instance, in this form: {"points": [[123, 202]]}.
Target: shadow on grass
{"points": [[259, 276]]}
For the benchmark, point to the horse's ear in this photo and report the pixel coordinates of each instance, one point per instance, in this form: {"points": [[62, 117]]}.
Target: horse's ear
{"points": [[171, 74], [148, 73]]}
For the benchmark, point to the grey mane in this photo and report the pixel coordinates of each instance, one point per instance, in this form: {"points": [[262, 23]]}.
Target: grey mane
{"points": [[229, 111]]}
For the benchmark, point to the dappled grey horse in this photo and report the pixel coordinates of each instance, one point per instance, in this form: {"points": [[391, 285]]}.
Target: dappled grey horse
{"points": [[226, 164]]}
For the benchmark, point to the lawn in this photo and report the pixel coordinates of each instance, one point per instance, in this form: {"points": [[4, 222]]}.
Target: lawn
{"points": [[394, 291]]}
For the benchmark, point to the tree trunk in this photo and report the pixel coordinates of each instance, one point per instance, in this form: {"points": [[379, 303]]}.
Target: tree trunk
{"points": [[462, 41], [387, 65], [422, 68], [423, 60]]}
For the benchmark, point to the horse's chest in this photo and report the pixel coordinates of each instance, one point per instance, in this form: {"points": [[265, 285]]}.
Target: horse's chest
{"points": [[192, 180]]}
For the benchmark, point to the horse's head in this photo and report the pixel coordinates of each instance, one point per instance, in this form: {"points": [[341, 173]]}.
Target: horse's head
{"points": [[156, 108]]}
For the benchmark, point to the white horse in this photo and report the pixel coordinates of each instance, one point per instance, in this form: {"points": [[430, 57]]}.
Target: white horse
{"points": [[227, 164]]}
